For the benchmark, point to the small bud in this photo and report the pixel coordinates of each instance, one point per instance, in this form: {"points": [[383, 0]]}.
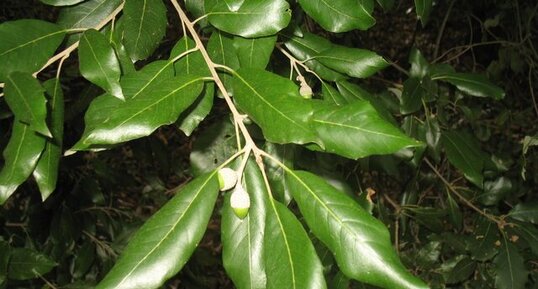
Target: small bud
{"points": [[305, 90], [227, 179], [240, 202]]}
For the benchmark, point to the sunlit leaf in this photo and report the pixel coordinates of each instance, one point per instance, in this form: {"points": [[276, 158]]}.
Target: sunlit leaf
{"points": [[26, 98], [46, 171], [165, 242], [359, 242], [340, 15], [144, 27], [254, 18], [27, 45], [87, 14], [243, 239], [98, 62]]}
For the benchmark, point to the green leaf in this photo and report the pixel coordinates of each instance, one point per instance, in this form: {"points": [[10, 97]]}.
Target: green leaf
{"points": [[110, 120], [242, 239], [146, 80], [412, 94], [356, 130], [197, 9], [27, 45], [529, 233], [5, 253], [463, 151], [162, 246], [340, 15], [191, 63], [526, 212], [115, 36], [354, 62], [463, 269], [144, 27], [495, 191], [306, 47], [419, 64], [290, 258], [472, 84], [359, 242], [221, 50], [191, 118], [46, 171], [511, 272], [255, 18], [25, 97], [482, 242], [61, 2], [27, 264], [386, 4], [254, 52], [87, 14], [20, 158], [423, 8], [98, 62], [332, 95], [273, 102]]}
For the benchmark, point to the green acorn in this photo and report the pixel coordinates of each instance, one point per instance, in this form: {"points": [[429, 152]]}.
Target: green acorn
{"points": [[240, 202], [227, 179]]}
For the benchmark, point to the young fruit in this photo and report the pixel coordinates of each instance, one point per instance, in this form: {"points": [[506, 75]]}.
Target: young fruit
{"points": [[227, 179], [240, 202]]}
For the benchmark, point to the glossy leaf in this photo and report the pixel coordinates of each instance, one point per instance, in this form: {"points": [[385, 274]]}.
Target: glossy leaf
{"points": [[27, 264], [354, 62], [254, 52], [356, 130], [221, 50], [87, 14], [495, 191], [115, 36], [360, 243], [197, 9], [110, 120], [472, 84], [273, 102], [25, 97], [20, 158], [511, 272], [215, 145], [462, 270], [242, 239], [191, 118], [482, 243], [464, 153], [332, 95], [423, 8], [98, 62], [192, 63], [254, 18], [275, 173], [61, 2], [340, 15], [412, 94], [290, 258], [46, 171], [144, 27], [146, 80], [306, 47], [165, 242], [419, 64], [526, 212], [27, 45]]}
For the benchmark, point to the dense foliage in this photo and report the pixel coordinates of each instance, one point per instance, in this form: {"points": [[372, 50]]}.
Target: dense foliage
{"points": [[364, 152]]}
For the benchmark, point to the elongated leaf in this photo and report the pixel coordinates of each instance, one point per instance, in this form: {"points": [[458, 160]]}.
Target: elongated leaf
{"points": [[332, 95], [254, 52], [149, 78], [61, 2], [215, 145], [526, 212], [511, 272], [254, 18], [290, 258], [27, 264], [190, 63], [110, 120], [481, 245], [419, 64], [463, 151], [352, 61], [423, 8], [191, 118], [356, 130], [98, 62], [243, 239], [473, 84], [166, 241], [145, 25], [274, 103], [20, 158], [340, 15], [46, 171], [87, 14], [27, 45], [115, 36], [306, 47], [359, 242], [221, 50], [25, 96], [411, 96]]}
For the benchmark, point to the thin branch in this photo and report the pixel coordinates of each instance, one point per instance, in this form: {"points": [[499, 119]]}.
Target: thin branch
{"points": [[442, 29], [531, 89]]}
